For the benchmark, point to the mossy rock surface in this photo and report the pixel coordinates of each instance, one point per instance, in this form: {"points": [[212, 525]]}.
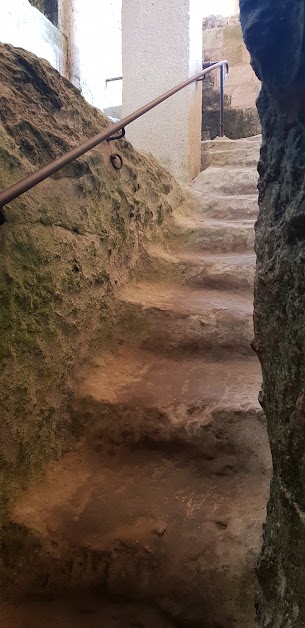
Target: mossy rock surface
{"points": [[64, 248]]}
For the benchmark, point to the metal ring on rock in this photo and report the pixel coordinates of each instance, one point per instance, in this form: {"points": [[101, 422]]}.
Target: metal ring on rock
{"points": [[116, 161]]}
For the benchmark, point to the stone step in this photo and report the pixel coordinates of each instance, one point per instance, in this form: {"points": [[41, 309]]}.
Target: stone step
{"points": [[224, 143], [145, 379], [80, 610], [167, 317], [242, 157], [224, 152], [175, 532], [213, 236], [225, 207], [198, 270], [172, 450], [227, 180], [173, 398]]}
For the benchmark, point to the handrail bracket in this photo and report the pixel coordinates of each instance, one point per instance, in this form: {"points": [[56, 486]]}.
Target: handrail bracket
{"points": [[117, 137]]}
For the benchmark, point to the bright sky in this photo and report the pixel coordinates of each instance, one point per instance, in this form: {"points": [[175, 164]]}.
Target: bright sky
{"points": [[218, 7]]}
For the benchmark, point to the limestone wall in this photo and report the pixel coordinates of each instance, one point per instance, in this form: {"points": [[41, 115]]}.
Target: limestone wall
{"points": [[222, 39]]}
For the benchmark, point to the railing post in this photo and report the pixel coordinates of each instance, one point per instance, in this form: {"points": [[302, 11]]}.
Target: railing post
{"points": [[221, 96]]}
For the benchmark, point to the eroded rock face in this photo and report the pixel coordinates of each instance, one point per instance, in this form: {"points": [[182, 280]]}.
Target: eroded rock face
{"points": [[274, 34], [63, 249]]}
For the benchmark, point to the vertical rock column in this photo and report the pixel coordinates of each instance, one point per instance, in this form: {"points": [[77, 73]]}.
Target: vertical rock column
{"points": [[274, 34], [162, 46]]}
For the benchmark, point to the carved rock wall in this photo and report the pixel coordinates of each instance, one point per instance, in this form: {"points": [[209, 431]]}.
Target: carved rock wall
{"points": [[274, 34], [64, 248]]}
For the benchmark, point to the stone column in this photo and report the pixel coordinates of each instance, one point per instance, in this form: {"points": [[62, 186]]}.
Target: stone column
{"points": [[162, 46]]}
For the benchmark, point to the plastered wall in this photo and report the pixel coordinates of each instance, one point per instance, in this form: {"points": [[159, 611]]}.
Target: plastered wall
{"points": [[161, 48]]}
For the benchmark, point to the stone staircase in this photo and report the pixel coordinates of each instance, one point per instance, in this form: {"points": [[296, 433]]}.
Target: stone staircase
{"points": [[162, 502]]}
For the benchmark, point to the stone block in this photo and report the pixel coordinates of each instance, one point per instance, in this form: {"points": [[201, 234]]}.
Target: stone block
{"points": [[233, 44], [212, 39]]}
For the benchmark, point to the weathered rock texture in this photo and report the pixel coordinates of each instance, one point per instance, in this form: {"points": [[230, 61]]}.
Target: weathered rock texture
{"points": [[162, 500], [138, 379], [274, 34], [64, 247]]}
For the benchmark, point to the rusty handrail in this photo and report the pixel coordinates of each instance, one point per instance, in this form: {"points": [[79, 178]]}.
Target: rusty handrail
{"points": [[30, 181]]}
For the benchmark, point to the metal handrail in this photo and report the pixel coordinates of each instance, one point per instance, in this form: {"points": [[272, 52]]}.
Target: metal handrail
{"points": [[114, 78], [30, 181]]}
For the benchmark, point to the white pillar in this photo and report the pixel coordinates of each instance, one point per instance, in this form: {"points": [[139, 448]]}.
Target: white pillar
{"points": [[162, 46]]}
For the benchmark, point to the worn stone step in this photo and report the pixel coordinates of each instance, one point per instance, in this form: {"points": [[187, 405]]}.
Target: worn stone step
{"points": [[242, 157], [221, 271], [141, 378], [135, 397], [228, 180], [80, 610], [170, 527], [224, 143], [213, 236], [226, 207], [225, 152], [168, 317], [146, 527]]}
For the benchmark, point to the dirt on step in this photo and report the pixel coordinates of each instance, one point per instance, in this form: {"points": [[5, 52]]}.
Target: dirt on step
{"points": [[143, 514], [80, 611]]}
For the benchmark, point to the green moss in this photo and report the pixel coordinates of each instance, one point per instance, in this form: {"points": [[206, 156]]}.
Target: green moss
{"points": [[160, 215], [102, 277], [56, 267], [8, 161], [27, 293], [120, 225]]}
